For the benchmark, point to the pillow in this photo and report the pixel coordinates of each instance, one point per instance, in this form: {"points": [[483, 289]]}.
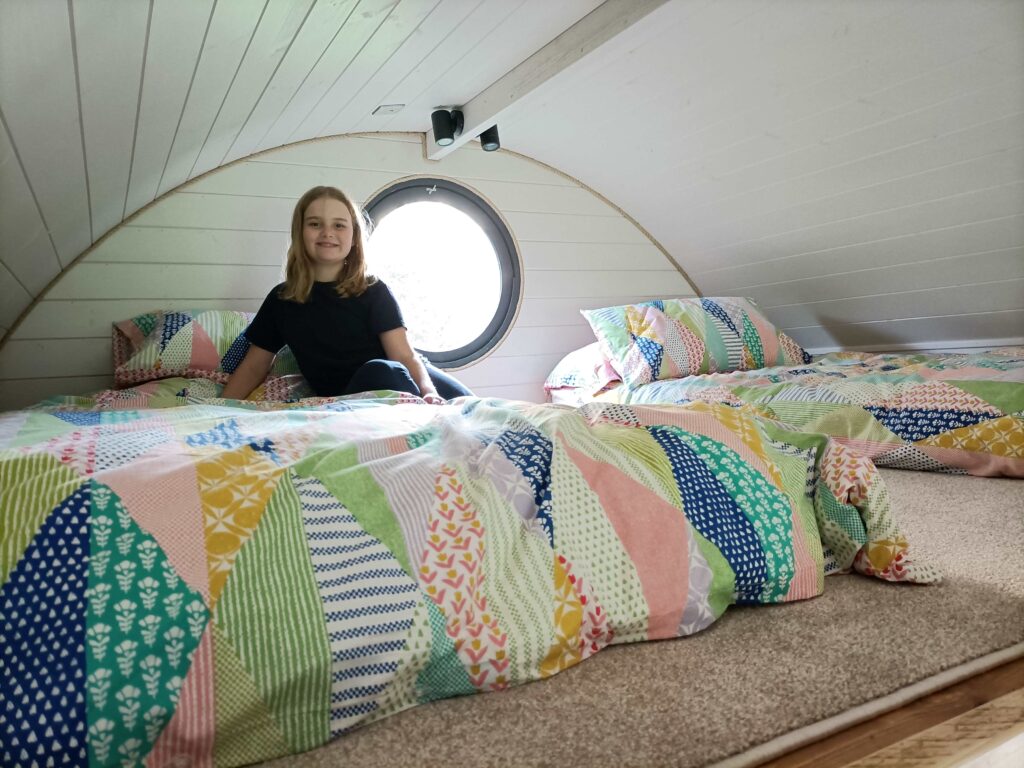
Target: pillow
{"points": [[204, 343], [585, 368], [671, 338]]}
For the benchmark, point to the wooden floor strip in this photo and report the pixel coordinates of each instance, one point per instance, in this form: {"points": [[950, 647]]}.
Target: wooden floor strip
{"points": [[972, 738], [846, 747]]}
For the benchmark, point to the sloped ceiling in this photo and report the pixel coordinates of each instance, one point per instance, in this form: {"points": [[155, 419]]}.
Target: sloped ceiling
{"points": [[857, 167]]}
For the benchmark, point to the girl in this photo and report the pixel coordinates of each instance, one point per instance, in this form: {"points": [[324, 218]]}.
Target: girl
{"points": [[344, 326]]}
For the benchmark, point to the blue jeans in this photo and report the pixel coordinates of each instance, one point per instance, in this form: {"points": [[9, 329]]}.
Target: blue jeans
{"points": [[388, 374]]}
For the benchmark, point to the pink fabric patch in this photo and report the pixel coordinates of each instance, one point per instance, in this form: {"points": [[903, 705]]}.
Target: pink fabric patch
{"points": [[768, 334], [204, 352], [188, 738], [146, 487], [652, 531]]}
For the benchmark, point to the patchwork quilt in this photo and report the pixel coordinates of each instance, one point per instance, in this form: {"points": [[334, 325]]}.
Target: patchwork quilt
{"points": [[953, 413], [193, 581]]}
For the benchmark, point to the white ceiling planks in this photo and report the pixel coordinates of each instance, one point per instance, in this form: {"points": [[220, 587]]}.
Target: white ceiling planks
{"points": [[323, 23], [582, 41], [175, 41], [28, 252], [111, 42], [357, 29], [16, 299], [782, 141], [272, 42], [442, 64], [401, 22], [39, 103], [430, 34], [231, 30]]}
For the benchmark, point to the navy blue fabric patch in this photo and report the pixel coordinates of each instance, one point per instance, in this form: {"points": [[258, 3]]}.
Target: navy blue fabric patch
{"points": [[531, 452], [42, 656], [236, 352], [652, 352], [913, 424], [716, 310], [173, 322], [716, 515]]}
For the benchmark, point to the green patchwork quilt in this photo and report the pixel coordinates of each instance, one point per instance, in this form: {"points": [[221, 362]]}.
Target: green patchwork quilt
{"points": [[949, 413], [203, 582]]}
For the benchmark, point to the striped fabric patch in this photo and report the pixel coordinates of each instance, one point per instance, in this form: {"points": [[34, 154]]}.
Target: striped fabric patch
{"points": [[368, 600], [271, 614], [716, 515]]}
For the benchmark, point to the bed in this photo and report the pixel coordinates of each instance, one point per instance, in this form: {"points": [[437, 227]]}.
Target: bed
{"points": [[955, 413], [187, 580]]}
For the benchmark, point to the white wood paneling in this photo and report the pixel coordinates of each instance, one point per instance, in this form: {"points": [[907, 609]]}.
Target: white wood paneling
{"points": [[443, 61], [175, 245], [358, 28], [964, 208], [487, 60], [194, 211], [558, 312], [951, 271], [576, 256], [111, 40], [977, 329], [92, 318], [324, 22], [402, 21], [39, 97], [42, 359], [221, 242], [1001, 295], [16, 298], [584, 283], [165, 281], [940, 242], [28, 251], [772, 145], [583, 39], [270, 44], [176, 37], [430, 34], [227, 39]]}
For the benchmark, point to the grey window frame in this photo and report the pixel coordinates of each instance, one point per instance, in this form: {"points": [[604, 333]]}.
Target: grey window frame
{"points": [[439, 190]]}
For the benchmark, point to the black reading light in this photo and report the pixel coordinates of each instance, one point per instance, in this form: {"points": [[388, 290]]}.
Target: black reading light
{"points": [[447, 125], [489, 139]]}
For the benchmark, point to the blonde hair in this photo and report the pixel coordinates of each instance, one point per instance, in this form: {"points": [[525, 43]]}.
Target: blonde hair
{"points": [[299, 273]]}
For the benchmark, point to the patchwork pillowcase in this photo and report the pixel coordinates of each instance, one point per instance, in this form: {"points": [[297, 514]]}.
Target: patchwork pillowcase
{"points": [[206, 344], [672, 338]]}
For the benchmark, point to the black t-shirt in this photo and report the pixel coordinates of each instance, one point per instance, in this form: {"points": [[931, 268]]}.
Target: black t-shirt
{"points": [[330, 335]]}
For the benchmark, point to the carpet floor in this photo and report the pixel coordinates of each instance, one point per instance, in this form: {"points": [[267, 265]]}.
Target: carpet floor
{"points": [[756, 674]]}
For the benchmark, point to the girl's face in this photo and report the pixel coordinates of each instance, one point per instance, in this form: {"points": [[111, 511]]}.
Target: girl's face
{"points": [[327, 235]]}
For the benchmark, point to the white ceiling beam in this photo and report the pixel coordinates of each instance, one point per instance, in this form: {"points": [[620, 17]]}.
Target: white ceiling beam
{"points": [[595, 29]]}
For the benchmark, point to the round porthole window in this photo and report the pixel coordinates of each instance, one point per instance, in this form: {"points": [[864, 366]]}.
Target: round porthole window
{"points": [[451, 263]]}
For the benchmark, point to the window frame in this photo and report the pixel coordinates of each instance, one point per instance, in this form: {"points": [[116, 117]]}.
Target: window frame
{"points": [[484, 215]]}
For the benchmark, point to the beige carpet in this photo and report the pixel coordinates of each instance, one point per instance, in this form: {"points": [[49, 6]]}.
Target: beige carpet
{"points": [[755, 675]]}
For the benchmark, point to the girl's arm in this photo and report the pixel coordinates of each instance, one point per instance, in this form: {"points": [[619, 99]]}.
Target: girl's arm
{"points": [[397, 348], [249, 374]]}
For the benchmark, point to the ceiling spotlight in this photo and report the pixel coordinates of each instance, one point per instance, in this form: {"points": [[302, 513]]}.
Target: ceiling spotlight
{"points": [[447, 125], [489, 139]]}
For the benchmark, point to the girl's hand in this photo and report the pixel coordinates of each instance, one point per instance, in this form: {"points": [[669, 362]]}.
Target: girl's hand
{"points": [[434, 399]]}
